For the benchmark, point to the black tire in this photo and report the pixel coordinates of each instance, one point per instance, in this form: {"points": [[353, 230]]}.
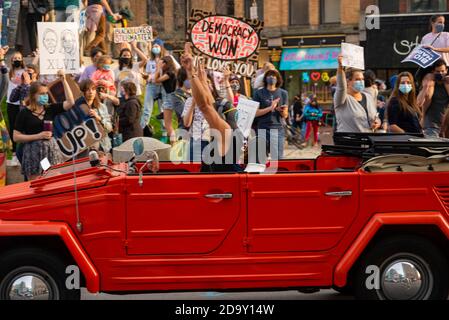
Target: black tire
{"points": [[43, 265], [432, 266]]}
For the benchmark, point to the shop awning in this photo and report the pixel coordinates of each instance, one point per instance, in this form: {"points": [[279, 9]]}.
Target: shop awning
{"points": [[310, 58]]}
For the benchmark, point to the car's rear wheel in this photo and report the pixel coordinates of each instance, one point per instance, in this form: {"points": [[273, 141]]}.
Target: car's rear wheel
{"points": [[34, 274], [403, 268]]}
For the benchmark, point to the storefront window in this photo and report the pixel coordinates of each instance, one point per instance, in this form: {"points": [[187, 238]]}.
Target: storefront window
{"points": [[299, 12], [426, 5], [317, 82], [330, 11]]}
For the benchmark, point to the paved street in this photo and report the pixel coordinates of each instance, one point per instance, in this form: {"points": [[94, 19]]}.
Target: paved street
{"points": [[282, 295]]}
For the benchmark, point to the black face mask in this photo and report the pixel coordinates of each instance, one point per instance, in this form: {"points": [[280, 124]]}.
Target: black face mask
{"points": [[17, 64], [439, 76], [125, 61]]}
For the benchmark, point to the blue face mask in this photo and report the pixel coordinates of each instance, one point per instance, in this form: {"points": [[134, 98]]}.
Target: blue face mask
{"points": [[187, 84], [107, 67], [358, 85], [156, 51], [405, 88], [42, 100], [439, 27], [272, 81]]}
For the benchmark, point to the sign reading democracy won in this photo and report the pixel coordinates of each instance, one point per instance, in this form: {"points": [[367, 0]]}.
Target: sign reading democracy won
{"points": [[75, 131], [226, 41]]}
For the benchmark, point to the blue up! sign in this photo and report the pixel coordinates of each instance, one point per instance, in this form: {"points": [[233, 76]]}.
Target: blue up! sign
{"points": [[423, 57]]}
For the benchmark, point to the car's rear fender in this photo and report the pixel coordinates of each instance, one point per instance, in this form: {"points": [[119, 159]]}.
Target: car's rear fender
{"points": [[372, 228]]}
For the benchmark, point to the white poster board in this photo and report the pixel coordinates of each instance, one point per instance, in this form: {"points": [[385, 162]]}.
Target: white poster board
{"points": [[246, 112], [139, 34], [58, 47], [353, 56]]}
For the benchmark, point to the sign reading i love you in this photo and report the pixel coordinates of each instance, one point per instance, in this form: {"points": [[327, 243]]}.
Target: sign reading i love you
{"points": [[227, 39]]}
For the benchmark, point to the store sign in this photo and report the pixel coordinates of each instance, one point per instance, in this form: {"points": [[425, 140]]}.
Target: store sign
{"points": [[388, 46], [310, 59]]}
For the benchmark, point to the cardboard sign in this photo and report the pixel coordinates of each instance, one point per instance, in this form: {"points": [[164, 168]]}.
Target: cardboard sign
{"points": [[225, 41], [59, 47], [353, 56], [139, 34], [423, 57], [75, 131], [246, 112]]}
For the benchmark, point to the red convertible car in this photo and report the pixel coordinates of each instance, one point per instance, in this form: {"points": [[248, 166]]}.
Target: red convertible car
{"points": [[333, 222]]}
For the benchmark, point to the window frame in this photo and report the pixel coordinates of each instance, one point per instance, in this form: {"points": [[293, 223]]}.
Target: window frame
{"points": [[290, 11], [323, 13], [409, 8]]}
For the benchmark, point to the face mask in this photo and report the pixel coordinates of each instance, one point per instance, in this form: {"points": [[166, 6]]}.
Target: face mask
{"points": [[156, 51], [125, 60], [17, 64], [187, 84], [107, 67], [272, 81], [235, 87], [439, 76], [358, 85], [405, 88], [439, 27], [42, 100]]}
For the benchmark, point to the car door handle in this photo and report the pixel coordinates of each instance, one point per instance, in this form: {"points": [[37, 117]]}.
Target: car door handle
{"points": [[219, 196], [339, 194]]}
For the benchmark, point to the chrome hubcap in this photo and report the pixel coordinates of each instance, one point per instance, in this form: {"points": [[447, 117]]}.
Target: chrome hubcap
{"points": [[31, 285], [405, 277]]}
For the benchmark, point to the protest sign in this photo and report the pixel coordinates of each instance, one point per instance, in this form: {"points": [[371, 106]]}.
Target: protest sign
{"points": [[75, 131], [423, 57], [353, 56], [139, 34], [246, 112], [223, 41], [59, 47]]}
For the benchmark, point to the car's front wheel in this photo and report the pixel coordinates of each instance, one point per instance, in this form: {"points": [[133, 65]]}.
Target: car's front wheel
{"points": [[403, 268], [34, 274]]}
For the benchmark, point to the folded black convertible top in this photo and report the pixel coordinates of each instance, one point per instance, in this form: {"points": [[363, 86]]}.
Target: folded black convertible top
{"points": [[369, 145]]}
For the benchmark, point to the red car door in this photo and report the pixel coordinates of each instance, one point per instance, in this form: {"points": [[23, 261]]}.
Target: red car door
{"points": [[180, 214], [300, 211]]}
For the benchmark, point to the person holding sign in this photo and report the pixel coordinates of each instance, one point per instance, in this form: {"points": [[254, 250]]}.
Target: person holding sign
{"points": [[438, 41], [33, 127], [355, 110]]}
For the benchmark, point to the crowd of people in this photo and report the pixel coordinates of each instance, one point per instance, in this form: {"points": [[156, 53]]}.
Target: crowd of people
{"points": [[203, 102]]}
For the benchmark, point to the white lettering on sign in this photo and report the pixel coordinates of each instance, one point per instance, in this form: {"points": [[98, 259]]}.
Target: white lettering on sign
{"points": [[405, 47]]}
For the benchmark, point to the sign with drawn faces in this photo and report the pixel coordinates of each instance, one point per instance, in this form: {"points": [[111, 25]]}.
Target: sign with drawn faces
{"points": [[59, 47]]}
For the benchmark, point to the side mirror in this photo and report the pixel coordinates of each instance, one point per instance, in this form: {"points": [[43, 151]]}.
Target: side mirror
{"points": [[138, 147], [152, 164]]}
